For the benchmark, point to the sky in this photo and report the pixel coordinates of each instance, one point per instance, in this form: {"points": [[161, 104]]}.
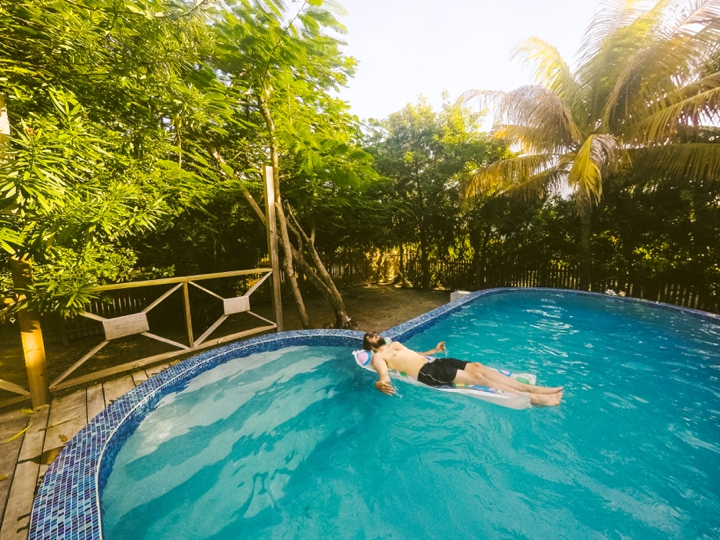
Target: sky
{"points": [[408, 48]]}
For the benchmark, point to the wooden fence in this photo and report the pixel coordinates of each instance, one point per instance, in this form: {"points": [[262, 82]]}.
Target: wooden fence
{"points": [[680, 290], [461, 274]]}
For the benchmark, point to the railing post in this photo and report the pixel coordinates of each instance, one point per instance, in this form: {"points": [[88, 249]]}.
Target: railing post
{"points": [[32, 339], [269, 177], [188, 315]]}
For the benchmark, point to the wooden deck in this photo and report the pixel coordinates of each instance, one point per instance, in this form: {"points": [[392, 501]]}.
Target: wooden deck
{"points": [[25, 458]]}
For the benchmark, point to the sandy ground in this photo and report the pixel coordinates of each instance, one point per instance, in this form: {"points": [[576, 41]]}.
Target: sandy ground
{"points": [[372, 308]]}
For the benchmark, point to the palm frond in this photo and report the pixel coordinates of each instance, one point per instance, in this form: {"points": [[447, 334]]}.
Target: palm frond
{"points": [[551, 71], [598, 152], [537, 107], [509, 173], [547, 64], [610, 17], [695, 161], [639, 58], [680, 48], [702, 107], [618, 30], [529, 139]]}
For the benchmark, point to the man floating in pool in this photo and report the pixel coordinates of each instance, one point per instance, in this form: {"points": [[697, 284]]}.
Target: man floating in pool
{"points": [[445, 371]]}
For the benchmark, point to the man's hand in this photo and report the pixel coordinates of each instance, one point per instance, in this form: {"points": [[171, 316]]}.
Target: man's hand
{"points": [[440, 347], [384, 386]]}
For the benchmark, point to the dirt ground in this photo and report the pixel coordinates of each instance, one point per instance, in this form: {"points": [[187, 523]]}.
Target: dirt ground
{"points": [[372, 308]]}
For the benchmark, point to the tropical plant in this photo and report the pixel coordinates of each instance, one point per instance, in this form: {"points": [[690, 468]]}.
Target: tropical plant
{"points": [[428, 154], [90, 161], [285, 66], [645, 92], [134, 120]]}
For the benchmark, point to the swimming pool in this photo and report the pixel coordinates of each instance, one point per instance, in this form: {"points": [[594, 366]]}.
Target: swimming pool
{"points": [[291, 440]]}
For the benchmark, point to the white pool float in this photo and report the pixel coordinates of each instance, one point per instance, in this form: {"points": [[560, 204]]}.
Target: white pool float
{"points": [[511, 400]]}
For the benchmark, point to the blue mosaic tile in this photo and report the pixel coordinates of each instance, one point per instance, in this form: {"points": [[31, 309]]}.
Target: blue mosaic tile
{"points": [[67, 505]]}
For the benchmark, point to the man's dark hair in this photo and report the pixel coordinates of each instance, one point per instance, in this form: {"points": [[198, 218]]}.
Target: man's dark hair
{"points": [[366, 340]]}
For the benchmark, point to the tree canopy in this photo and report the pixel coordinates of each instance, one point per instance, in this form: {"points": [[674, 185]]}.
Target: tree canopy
{"points": [[133, 119]]}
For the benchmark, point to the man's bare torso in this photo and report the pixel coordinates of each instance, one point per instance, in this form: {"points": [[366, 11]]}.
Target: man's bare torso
{"points": [[398, 357]]}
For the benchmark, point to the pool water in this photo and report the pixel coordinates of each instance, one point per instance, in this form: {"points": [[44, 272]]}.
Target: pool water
{"points": [[297, 443]]}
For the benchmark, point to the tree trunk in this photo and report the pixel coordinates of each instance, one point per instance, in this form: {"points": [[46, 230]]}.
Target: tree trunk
{"points": [[424, 262], [287, 247], [324, 282], [333, 298], [424, 259], [585, 211], [30, 331], [479, 241]]}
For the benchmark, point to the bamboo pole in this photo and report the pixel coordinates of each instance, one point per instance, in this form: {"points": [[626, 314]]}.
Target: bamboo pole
{"points": [[271, 225], [32, 339]]}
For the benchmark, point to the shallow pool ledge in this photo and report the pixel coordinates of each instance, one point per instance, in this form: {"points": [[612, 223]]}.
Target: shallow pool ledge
{"points": [[68, 501]]}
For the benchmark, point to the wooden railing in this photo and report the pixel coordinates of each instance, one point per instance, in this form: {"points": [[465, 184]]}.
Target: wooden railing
{"points": [[129, 317], [137, 323]]}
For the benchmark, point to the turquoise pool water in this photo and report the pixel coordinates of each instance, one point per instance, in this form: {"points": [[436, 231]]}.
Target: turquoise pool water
{"points": [[297, 443]]}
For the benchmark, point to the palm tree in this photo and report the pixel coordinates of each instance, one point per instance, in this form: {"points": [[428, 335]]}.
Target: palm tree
{"points": [[645, 90]]}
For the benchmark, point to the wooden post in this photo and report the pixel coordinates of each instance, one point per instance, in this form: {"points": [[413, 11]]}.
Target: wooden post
{"points": [[269, 177], [32, 339], [188, 315]]}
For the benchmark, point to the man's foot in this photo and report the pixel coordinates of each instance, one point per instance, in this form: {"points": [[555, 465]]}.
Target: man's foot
{"points": [[544, 390], [546, 400]]}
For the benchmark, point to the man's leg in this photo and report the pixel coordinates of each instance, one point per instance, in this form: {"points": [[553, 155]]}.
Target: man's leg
{"points": [[476, 373], [498, 378]]}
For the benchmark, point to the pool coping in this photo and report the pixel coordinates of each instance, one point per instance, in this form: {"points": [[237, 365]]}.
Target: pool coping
{"points": [[67, 504]]}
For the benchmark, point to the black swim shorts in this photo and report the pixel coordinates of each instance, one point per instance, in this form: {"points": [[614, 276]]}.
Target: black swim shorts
{"points": [[440, 372]]}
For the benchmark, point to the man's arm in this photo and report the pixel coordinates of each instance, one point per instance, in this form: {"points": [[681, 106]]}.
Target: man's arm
{"points": [[438, 349], [383, 382]]}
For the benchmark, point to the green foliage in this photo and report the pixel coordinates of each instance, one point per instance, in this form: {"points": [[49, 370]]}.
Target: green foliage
{"points": [[118, 109], [90, 87], [645, 90], [428, 156]]}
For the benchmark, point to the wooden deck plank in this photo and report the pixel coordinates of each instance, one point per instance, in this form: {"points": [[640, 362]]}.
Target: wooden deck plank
{"points": [[139, 377], [95, 401], [157, 368], [117, 387], [17, 513], [32, 447], [68, 415], [11, 423]]}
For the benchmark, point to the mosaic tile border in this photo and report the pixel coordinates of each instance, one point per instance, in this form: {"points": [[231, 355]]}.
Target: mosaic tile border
{"points": [[67, 505]]}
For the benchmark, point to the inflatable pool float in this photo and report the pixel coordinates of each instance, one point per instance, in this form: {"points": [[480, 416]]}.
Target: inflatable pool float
{"points": [[511, 400]]}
